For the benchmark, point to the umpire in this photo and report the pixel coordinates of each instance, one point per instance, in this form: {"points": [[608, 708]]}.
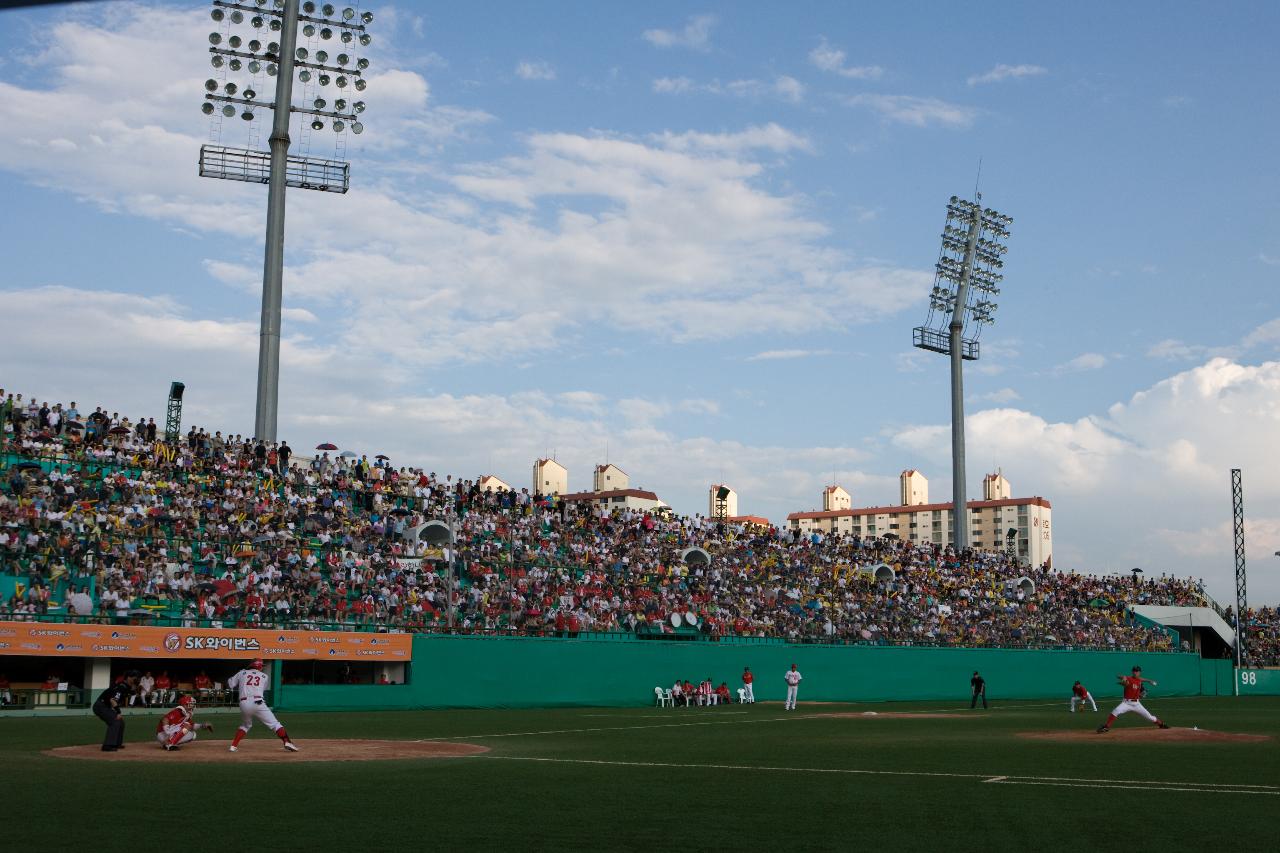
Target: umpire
{"points": [[978, 686], [108, 707]]}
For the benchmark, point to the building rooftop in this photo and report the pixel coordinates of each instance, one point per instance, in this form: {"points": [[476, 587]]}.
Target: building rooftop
{"points": [[611, 493], [898, 510]]}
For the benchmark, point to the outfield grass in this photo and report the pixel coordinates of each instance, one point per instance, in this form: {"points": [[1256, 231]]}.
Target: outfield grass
{"points": [[600, 791]]}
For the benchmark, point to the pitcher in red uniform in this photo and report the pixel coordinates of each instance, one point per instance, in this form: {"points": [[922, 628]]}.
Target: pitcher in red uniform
{"points": [[1132, 700]]}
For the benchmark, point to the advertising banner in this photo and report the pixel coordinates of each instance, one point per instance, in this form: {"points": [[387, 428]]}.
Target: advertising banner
{"points": [[145, 641]]}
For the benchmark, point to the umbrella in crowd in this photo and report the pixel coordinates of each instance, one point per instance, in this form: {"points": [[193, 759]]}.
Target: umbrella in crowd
{"points": [[382, 456], [326, 446], [73, 425], [347, 454], [118, 431], [27, 466]]}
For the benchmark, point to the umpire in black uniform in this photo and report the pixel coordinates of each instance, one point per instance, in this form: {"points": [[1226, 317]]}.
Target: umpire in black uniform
{"points": [[978, 686], [108, 707]]}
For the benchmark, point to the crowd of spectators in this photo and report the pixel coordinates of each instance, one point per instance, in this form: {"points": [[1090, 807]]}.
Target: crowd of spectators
{"points": [[1261, 630], [225, 530]]}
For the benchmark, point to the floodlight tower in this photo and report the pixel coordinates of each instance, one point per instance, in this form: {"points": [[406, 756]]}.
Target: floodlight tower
{"points": [[278, 168], [967, 265]]}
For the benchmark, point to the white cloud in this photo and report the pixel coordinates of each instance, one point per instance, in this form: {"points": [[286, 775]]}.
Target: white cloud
{"points": [[1122, 480], [1007, 72], [1085, 361], [1173, 349], [786, 88], [771, 137], [1269, 260], [916, 111], [298, 315], [1265, 335], [786, 354], [831, 59], [673, 85], [539, 70], [1001, 396], [781, 87], [487, 261], [587, 401], [696, 34]]}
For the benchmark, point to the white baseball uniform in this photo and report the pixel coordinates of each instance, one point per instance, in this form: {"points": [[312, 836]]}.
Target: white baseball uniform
{"points": [[1082, 700], [1133, 705], [253, 684], [793, 687]]}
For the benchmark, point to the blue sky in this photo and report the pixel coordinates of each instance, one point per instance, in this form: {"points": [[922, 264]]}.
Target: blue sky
{"points": [[699, 236]]}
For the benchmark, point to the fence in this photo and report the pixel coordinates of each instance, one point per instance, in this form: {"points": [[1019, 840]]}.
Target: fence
{"points": [[494, 672]]}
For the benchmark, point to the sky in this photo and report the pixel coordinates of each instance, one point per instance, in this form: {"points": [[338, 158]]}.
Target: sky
{"points": [[693, 240]]}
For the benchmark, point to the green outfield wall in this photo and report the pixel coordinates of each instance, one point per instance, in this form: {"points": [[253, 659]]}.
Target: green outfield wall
{"points": [[1259, 682], [497, 672]]}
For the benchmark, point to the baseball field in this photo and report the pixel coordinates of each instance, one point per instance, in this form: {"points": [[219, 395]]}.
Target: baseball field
{"points": [[920, 776]]}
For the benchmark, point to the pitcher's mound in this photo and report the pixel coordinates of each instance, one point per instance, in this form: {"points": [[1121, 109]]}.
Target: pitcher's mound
{"points": [[204, 751], [1147, 735]]}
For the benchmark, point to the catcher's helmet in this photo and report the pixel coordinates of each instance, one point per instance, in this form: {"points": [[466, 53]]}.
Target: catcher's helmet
{"points": [[257, 663], [186, 701]]}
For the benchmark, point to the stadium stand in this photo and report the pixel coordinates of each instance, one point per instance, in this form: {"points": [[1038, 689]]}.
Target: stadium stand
{"points": [[99, 519]]}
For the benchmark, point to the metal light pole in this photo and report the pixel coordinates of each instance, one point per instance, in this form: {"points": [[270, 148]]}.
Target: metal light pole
{"points": [[971, 254], [264, 419], [278, 168], [1242, 595]]}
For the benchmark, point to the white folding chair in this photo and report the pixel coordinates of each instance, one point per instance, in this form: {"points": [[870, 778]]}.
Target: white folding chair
{"points": [[742, 696], [661, 698]]}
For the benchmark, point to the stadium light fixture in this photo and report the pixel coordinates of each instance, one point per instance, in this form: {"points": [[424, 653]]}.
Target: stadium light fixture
{"points": [[966, 281], [234, 51]]}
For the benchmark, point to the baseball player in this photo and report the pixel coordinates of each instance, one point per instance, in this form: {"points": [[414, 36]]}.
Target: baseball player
{"points": [[1080, 695], [177, 727], [1132, 700], [793, 687], [252, 684], [748, 695]]}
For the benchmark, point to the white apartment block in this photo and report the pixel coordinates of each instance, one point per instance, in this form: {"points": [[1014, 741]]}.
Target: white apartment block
{"points": [[550, 477], [490, 483], [835, 497], [990, 521], [609, 477], [604, 502]]}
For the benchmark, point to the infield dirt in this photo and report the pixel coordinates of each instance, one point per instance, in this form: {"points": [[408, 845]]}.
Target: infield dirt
{"points": [[1148, 735], [215, 751]]}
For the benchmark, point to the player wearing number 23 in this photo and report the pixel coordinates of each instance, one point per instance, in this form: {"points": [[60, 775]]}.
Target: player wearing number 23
{"points": [[252, 684]]}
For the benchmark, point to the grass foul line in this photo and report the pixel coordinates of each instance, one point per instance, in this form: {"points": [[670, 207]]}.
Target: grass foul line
{"points": [[1129, 784]]}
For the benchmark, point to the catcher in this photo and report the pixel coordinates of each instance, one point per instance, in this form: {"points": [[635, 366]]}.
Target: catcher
{"points": [[178, 726]]}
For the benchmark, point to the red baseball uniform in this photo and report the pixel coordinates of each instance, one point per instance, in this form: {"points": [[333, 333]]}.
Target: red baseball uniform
{"points": [[176, 717]]}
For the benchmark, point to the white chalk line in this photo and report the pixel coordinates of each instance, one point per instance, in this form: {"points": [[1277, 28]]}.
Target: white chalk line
{"points": [[1065, 781], [613, 728]]}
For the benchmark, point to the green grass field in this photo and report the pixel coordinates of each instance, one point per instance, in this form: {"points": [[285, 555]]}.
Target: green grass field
{"points": [[688, 779]]}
